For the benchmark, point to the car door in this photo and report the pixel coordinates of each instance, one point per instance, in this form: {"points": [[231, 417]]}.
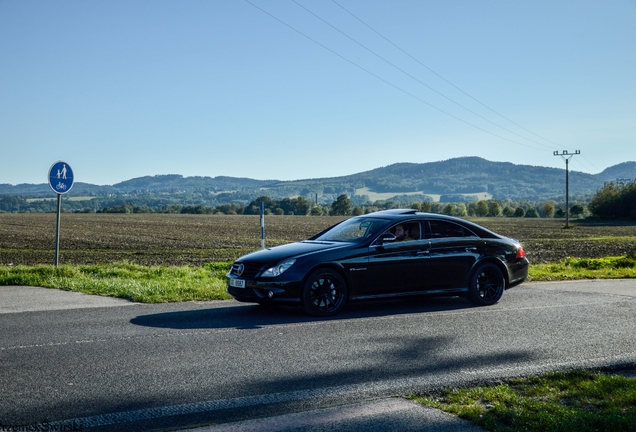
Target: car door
{"points": [[452, 253], [395, 267]]}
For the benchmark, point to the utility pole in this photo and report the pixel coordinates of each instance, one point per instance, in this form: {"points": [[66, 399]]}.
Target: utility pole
{"points": [[566, 156]]}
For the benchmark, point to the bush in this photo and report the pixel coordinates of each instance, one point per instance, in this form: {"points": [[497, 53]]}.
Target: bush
{"points": [[577, 210], [494, 209], [548, 209], [532, 213], [615, 200], [626, 262], [482, 209]]}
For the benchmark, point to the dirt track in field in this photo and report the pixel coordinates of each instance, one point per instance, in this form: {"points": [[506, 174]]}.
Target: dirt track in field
{"points": [[164, 239]]}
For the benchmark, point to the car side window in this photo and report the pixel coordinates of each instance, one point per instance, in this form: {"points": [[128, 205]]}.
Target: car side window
{"points": [[406, 231], [416, 232], [444, 229]]}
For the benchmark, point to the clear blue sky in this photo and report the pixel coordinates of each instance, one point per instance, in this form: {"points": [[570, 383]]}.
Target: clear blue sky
{"points": [[124, 89]]}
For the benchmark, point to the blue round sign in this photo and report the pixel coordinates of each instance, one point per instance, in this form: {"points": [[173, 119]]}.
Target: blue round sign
{"points": [[61, 177]]}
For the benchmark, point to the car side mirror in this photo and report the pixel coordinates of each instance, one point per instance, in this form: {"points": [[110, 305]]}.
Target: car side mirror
{"points": [[386, 238]]}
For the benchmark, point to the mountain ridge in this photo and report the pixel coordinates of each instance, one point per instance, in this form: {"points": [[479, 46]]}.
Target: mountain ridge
{"points": [[455, 178]]}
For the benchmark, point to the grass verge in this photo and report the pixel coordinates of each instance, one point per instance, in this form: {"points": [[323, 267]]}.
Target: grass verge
{"points": [[156, 284], [576, 401], [617, 267], [133, 282]]}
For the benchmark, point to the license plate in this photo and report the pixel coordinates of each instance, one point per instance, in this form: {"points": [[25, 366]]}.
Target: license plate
{"points": [[237, 283]]}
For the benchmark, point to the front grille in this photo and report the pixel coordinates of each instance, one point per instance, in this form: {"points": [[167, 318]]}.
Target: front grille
{"points": [[249, 270]]}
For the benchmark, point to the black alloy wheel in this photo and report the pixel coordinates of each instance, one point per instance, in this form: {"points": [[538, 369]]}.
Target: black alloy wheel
{"points": [[487, 285], [324, 293]]}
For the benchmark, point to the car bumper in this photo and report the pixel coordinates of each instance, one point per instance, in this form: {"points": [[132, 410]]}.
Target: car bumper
{"points": [[518, 272], [256, 291]]}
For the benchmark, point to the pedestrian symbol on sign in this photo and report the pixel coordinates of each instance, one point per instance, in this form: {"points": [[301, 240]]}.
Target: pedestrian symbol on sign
{"points": [[61, 177], [62, 174]]}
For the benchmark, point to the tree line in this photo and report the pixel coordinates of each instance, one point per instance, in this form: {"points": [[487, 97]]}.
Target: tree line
{"points": [[301, 206], [613, 200], [343, 206]]}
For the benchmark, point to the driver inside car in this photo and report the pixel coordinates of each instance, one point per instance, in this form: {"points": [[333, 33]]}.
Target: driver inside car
{"points": [[403, 233]]}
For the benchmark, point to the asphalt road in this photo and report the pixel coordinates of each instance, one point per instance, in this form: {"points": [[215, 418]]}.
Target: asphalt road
{"points": [[110, 364]]}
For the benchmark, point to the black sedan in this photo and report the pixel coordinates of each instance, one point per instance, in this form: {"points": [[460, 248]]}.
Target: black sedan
{"points": [[386, 254]]}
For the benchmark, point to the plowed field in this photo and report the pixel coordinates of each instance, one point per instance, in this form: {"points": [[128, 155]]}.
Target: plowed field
{"points": [[164, 239]]}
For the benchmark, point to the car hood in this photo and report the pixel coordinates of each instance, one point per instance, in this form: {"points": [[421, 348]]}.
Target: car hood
{"points": [[291, 250]]}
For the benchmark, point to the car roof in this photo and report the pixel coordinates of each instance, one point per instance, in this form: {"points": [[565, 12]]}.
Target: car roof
{"points": [[399, 214], [392, 214]]}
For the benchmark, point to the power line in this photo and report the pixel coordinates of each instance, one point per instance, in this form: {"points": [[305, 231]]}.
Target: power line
{"points": [[588, 161], [441, 77], [389, 83], [414, 78]]}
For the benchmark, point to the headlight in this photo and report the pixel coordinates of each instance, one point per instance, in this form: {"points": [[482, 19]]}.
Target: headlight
{"points": [[278, 269]]}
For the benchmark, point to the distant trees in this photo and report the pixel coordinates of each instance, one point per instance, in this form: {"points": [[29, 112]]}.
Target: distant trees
{"points": [[460, 210], [532, 213], [341, 206], [519, 212], [508, 211], [614, 200], [482, 208], [11, 203], [548, 209], [287, 206], [494, 209], [316, 211], [577, 210]]}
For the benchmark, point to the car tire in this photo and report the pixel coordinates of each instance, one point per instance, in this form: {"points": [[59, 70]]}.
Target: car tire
{"points": [[324, 293], [487, 285]]}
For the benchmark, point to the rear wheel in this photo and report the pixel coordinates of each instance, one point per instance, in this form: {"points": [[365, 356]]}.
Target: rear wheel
{"points": [[486, 285], [324, 293]]}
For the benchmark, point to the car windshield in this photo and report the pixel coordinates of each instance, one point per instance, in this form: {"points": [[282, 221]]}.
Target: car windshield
{"points": [[353, 229]]}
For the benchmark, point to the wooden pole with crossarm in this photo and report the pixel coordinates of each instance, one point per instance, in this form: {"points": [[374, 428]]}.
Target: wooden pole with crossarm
{"points": [[566, 157]]}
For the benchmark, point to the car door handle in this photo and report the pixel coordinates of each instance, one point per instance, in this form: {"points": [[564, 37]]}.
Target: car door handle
{"points": [[423, 252], [471, 249]]}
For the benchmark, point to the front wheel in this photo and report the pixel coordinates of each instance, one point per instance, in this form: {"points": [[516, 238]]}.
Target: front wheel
{"points": [[486, 285], [324, 293]]}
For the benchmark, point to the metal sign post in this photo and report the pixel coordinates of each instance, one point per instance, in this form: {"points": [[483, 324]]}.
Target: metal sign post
{"points": [[61, 181], [262, 225]]}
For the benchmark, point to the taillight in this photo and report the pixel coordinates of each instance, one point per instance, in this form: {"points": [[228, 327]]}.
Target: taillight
{"points": [[520, 253]]}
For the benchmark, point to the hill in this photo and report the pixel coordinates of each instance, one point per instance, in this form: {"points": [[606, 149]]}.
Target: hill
{"points": [[453, 180], [625, 171], [458, 179]]}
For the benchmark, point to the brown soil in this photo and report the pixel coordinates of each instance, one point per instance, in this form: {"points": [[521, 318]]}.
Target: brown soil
{"points": [[164, 239]]}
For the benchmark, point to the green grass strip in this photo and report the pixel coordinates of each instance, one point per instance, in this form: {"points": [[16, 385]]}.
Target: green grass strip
{"points": [[156, 284], [134, 282], [577, 401], [617, 267]]}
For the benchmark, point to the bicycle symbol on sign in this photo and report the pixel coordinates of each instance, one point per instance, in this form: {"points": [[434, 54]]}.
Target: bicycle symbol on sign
{"points": [[60, 177]]}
